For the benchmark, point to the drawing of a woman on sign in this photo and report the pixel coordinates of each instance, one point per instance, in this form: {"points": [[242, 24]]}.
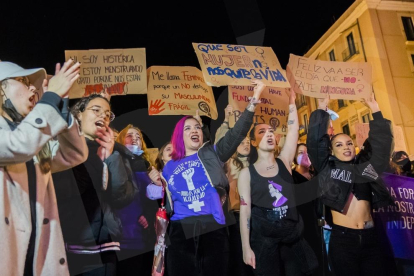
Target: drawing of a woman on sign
{"points": [[275, 190]]}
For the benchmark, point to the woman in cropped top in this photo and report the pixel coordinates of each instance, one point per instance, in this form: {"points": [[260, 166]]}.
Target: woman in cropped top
{"points": [[350, 186], [275, 245]]}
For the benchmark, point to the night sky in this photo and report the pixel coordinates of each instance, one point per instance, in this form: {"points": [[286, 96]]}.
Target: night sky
{"points": [[36, 34]]}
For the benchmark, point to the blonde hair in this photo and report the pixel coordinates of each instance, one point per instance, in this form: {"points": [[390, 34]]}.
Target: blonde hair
{"points": [[121, 139]]}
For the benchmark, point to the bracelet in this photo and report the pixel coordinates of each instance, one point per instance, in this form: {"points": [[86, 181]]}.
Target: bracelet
{"points": [[224, 122], [253, 102]]}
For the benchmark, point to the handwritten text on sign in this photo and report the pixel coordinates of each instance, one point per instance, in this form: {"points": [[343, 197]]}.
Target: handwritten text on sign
{"points": [[119, 71], [341, 80], [225, 64], [273, 109], [362, 131], [179, 91]]}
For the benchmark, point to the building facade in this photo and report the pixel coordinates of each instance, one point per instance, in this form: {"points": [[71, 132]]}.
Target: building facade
{"points": [[381, 33]]}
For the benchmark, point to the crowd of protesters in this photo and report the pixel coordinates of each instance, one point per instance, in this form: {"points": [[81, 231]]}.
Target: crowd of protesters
{"points": [[79, 198]]}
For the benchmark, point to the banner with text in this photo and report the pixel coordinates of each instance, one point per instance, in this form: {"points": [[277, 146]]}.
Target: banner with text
{"points": [[341, 80], [225, 64], [362, 131], [273, 109], [175, 90], [398, 221], [119, 71]]}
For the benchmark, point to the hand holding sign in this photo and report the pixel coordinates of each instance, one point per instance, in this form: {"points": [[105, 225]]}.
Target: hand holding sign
{"points": [[372, 103], [198, 118], [323, 103], [227, 112], [292, 96], [155, 107]]}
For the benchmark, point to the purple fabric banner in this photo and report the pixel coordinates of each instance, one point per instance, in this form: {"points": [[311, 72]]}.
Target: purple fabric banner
{"points": [[398, 222]]}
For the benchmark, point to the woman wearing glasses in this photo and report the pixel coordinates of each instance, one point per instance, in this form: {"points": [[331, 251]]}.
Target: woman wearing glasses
{"points": [[95, 189], [32, 242]]}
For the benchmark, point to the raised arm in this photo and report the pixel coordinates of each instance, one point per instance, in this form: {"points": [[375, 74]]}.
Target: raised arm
{"points": [[226, 146], [243, 186], [224, 127], [318, 142], [289, 148], [380, 138]]}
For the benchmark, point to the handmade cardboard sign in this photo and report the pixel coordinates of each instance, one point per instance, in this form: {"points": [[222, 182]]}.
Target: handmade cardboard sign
{"points": [[341, 80], [175, 90], [225, 64], [118, 71], [273, 109]]}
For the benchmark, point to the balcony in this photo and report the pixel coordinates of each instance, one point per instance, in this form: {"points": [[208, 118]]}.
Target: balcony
{"points": [[350, 52]]}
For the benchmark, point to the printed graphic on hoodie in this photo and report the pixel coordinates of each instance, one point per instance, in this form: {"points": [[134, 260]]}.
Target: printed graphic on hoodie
{"points": [[191, 191]]}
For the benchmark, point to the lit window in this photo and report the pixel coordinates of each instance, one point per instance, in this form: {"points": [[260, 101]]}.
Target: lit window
{"points": [[408, 27]]}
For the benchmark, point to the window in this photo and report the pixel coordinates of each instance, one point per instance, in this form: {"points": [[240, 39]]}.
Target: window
{"points": [[341, 103], [408, 27], [365, 118], [412, 59], [332, 55], [345, 129], [351, 44]]}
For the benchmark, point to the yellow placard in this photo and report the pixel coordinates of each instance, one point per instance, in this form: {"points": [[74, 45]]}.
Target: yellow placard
{"points": [[176, 90], [119, 71], [226, 64]]}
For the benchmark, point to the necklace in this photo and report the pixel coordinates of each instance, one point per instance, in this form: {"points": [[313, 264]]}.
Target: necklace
{"points": [[270, 167]]}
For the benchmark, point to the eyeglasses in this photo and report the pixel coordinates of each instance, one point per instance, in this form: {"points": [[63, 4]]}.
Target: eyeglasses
{"points": [[109, 115]]}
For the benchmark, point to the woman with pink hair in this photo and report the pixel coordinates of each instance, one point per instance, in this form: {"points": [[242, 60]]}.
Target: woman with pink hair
{"points": [[197, 189]]}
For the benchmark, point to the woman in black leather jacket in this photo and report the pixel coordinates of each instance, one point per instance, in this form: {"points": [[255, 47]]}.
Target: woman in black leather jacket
{"points": [[351, 187]]}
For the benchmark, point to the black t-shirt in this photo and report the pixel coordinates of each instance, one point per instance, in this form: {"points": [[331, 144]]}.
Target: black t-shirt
{"points": [[274, 193]]}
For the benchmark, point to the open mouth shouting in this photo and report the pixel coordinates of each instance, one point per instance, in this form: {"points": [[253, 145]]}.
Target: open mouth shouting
{"points": [[195, 138], [100, 124]]}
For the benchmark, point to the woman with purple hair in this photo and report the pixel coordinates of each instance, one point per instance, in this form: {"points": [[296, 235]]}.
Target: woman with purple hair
{"points": [[271, 228], [197, 190]]}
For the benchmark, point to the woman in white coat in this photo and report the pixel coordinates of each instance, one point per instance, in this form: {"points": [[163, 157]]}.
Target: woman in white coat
{"points": [[31, 240]]}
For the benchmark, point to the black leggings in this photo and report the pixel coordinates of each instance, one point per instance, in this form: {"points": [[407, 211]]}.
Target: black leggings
{"points": [[279, 247], [355, 252], [199, 246]]}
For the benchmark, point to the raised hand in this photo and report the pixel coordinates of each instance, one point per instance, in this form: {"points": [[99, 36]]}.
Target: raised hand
{"points": [[372, 103], [323, 103], [227, 112], [198, 118], [155, 176], [64, 78], [106, 142], [259, 86], [292, 96], [155, 107]]}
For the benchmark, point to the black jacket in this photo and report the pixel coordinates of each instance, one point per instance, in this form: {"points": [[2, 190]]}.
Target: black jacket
{"points": [[365, 168], [86, 205]]}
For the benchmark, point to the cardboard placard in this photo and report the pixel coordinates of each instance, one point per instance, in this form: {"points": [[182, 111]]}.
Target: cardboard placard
{"points": [[119, 71], [341, 80], [273, 109], [226, 64], [361, 132], [176, 90]]}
